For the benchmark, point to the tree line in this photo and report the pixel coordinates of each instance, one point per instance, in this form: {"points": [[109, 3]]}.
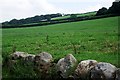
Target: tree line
{"points": [[114, 9], [35, 19]]}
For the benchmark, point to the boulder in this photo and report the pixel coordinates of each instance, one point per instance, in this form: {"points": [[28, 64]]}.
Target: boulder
{"points": [[118, 74], [30, 57], [43, 61], [43, 58], [18, 55], [84, 67], [103, 71], [70, 59], [65, 65]]}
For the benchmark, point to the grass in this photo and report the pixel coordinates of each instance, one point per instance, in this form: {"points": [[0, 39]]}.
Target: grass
{"points": [[87, 14], [63, 17], [78, 15], [91, 39]]}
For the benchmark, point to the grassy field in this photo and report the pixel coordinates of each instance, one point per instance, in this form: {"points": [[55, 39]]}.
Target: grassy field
{"points": [[78, 15], [91, 39]]}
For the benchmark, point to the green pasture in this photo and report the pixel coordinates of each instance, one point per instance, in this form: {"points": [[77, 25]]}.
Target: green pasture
{"points": [[78, 15], [91, 39]]}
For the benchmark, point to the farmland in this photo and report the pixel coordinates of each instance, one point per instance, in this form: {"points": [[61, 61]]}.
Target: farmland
{"points": [[78, 15], [91, 39]]}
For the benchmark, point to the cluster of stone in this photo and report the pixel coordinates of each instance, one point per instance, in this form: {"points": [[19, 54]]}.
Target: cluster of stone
{"points": [[85, 70]]}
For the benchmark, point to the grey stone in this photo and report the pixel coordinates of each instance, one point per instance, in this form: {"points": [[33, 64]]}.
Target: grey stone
{"points": [[18, 55], [65, 64], [43, 58], [43, 61], [103, 71], [30, 57], [84, 67], [118, 74]]}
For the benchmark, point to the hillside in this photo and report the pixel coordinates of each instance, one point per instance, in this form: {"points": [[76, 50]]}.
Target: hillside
{"points": [[46, 20], [78, 15], [90, 37]]}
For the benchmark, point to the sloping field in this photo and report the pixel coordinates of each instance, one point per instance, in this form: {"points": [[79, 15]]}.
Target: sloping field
{"points": [[91, 39], [78, 15]]}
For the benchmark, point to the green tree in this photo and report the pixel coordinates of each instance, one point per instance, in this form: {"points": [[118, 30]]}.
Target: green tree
{"points": [[115, 8], [101, 11], [73, 16]]}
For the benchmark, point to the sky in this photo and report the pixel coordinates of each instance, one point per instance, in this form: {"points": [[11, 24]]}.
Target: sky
{"points": [[18, 9]]}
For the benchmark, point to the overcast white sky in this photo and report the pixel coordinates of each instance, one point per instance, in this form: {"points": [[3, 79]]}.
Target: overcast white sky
{"points": [[10, 9]]}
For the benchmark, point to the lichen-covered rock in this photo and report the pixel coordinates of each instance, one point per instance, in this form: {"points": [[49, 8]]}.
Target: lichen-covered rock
{"points": [[64, 65], [18, 55], [43, 58], [29, 57], [84, 67], [70, 59], [43, 61], [103, 71]]}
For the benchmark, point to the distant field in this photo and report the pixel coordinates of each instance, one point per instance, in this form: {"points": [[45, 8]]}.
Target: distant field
{"points": [[91, 39], [87, 14], [78, 15]]}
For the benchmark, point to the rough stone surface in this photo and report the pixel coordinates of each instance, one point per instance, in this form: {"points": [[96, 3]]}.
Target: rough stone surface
{"points": [[118, 74], [30, 57], [43, 61], [84, 67], [65, 64], [18, 55], [43, 58], [65, 67], [103, 71]]}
